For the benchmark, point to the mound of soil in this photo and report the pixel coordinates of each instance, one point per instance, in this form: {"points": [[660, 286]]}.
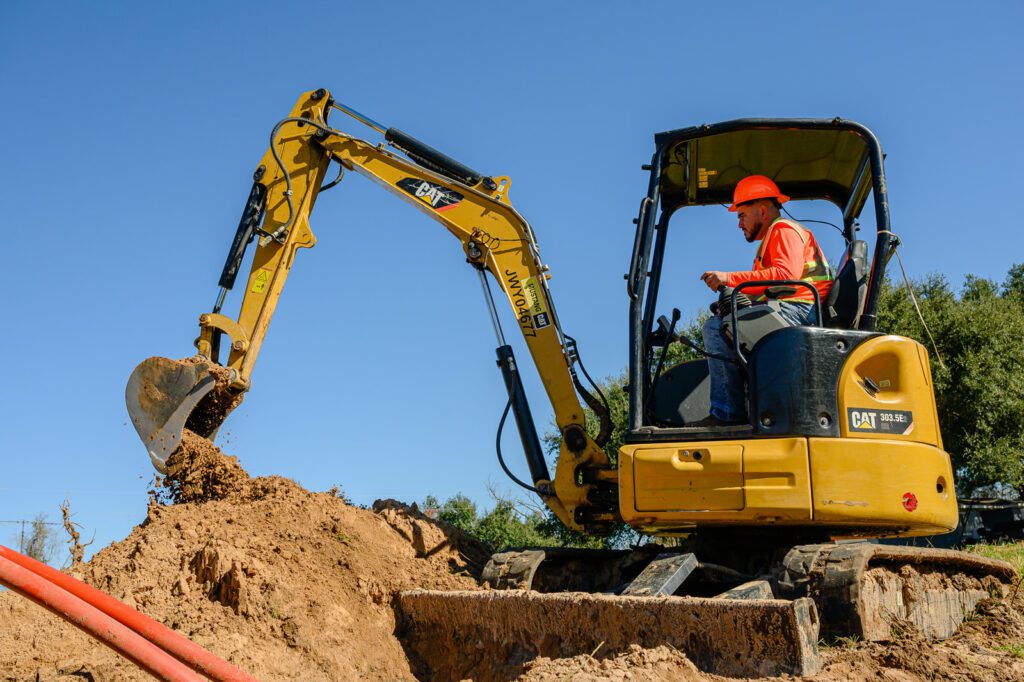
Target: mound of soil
{"points": [[282, 582], [290, 584]]}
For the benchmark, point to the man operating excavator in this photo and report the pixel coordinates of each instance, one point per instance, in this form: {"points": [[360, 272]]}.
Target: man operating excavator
{"points": [[788, 251]]}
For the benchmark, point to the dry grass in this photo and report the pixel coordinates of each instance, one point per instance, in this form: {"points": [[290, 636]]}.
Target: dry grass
{"points": [[1011, 552]]}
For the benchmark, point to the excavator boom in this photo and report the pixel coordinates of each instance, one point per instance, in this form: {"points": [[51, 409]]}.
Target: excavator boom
{"points": [[165, 397]]}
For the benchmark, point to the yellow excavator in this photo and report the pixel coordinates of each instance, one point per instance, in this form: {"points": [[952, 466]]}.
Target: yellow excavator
{"points": [[768, 517]]}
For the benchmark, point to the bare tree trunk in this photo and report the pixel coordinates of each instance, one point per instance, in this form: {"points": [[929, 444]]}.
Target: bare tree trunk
{"points": [[75, 546]]}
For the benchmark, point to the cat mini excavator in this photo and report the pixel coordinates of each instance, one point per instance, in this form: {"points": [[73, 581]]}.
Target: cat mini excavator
{"points": [[768, 517]]}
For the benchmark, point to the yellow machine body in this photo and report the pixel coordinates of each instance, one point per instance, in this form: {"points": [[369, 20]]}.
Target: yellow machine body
{"points": [[866, 482]]}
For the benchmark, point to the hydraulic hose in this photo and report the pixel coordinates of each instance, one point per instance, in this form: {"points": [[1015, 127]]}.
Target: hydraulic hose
{"points": [[92, 621], [181, 648]]}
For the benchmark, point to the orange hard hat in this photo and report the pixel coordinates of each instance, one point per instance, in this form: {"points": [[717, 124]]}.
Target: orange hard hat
{"points": [[755, 187]]}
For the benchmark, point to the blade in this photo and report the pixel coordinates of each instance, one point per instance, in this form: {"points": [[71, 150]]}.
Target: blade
{"points": [[161, 395], [485, 634]]}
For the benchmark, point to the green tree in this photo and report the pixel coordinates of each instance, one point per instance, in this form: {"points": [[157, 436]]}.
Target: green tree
{"points": [[510, 523], [458, 511]]}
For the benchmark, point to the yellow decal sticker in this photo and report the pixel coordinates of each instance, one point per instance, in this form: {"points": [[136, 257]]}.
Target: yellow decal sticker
{"points": [[536, 303], [260, 281], [704, 175]]}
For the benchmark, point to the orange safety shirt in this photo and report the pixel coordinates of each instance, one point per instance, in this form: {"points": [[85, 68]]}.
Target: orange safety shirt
{"points": [[788, 251]]}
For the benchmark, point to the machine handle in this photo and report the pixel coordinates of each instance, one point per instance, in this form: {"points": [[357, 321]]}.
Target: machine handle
{"points": [[767, 283], [641, 220]]}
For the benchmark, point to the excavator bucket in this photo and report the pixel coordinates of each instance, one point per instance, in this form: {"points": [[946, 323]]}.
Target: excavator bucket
{"points": [[163, 396]]}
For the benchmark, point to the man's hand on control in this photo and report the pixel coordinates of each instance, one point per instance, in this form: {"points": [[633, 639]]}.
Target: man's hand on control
{"points": [[715, 279]]}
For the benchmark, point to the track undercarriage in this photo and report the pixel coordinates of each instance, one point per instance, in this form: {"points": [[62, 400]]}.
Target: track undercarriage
{"points": [[735, 606]]}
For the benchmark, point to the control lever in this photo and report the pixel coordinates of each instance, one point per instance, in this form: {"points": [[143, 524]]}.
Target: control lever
{"points": [[668, 335], [723, 306], [667, 329]]}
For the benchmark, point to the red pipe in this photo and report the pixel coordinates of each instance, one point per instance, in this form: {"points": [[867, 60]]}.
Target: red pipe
{"points": [[140, 651], [182, 648]]}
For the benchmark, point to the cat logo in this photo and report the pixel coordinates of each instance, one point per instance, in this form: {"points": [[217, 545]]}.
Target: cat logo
{"points": [[435, 196], [862, 420]]}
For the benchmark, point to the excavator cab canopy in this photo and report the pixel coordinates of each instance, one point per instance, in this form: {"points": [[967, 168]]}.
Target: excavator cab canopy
{"points": [[836, 160], [808, 159]]}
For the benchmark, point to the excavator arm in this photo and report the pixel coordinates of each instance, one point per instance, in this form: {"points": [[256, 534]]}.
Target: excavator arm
{"points": [[165, 397]]}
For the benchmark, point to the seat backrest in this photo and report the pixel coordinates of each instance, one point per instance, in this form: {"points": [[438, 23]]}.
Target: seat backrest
{"points": [[845, 302]]}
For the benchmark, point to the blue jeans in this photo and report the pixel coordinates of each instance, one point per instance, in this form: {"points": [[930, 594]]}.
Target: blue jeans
{"points": [[728, 402]]}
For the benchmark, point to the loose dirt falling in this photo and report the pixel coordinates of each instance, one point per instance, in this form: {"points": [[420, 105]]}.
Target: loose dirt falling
{"points": [[199, 472]]}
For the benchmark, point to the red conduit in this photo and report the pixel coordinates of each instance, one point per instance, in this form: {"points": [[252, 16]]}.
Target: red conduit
{"points": [[143, 653], [182, 648]]}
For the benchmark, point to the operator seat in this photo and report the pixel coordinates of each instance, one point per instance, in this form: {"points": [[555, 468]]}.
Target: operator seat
{"points": [[844, 304]]}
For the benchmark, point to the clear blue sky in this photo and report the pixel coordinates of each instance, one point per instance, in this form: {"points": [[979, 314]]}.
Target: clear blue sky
{"points": [[130, 131]]}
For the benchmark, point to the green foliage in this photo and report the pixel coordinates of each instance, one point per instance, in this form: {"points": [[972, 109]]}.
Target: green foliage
{"points": [[979, 382], [458, 511], [510, 523], [507, 526]]}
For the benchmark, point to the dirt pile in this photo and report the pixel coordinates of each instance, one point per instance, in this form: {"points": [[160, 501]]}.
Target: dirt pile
{"points": [[285, 583], [294, 585]]}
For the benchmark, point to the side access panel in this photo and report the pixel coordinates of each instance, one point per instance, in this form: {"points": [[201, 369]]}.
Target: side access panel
{"points": [[886, 392], [667, 486], [904, 486]]}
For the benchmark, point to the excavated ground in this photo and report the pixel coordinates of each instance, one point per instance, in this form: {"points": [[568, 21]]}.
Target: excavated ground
{"points": [[294, 585]]}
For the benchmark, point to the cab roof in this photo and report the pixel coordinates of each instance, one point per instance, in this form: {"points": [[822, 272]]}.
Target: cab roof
{"points": [[826, 159]]}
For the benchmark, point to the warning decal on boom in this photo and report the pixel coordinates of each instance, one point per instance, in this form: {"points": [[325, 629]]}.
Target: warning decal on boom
{"points": [[535, 301]]}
